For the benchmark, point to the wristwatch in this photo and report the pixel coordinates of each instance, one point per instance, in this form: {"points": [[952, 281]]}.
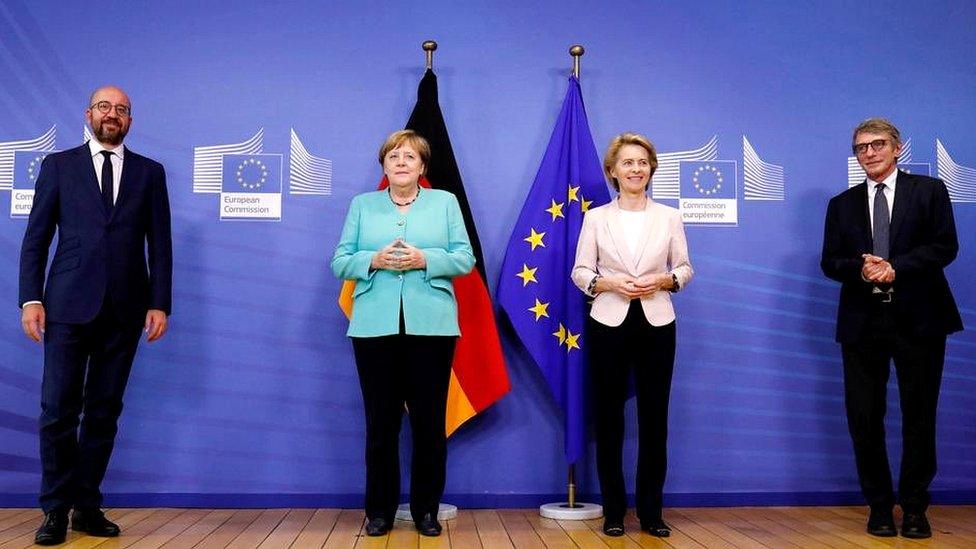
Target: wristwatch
{"points": [[592, 285], [674, 279]]}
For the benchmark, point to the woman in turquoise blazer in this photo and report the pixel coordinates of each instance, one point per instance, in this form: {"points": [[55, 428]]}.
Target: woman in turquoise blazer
{"points": [[402, 246]]}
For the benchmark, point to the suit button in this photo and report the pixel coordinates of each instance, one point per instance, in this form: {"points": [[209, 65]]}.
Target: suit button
{"points": [[400, 277]]}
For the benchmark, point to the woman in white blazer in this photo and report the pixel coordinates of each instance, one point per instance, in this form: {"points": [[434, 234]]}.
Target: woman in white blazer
{"points": [[631, 256]]}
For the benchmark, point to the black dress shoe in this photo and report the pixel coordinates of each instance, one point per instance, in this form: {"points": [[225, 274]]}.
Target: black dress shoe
{"points": [[428, 525], [881, 523], [53, 530], [916, 526], [93, 523], [656, 527], [377, 527], [613, 528]]}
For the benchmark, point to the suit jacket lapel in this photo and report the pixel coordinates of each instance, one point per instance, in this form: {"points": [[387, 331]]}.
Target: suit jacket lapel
{"points": [[864, 217], [86, 168], [616, 230], [904, 186], [129, 171]]}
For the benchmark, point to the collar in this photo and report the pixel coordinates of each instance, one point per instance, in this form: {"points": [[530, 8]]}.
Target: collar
{"points": [[95, 148], [889, 182]]}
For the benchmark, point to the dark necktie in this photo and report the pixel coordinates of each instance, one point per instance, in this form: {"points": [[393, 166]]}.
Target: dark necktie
{"points": [[108, 180], [881, 222]]}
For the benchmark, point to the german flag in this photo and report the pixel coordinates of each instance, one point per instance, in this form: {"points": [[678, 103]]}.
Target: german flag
{"points": [[478, 374]]}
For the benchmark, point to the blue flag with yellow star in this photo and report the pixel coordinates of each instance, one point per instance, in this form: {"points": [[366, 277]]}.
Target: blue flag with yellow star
{"points": [[251, 173], [546, 309]]}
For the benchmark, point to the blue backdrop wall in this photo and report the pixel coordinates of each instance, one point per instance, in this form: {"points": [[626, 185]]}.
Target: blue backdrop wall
{"points": [[254, 390]]}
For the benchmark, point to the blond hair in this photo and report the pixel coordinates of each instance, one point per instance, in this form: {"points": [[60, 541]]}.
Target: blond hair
{"points": [[613, 150], [410, 137]]}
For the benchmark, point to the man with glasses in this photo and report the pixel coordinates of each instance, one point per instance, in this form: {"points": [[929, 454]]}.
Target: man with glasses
{"points": [[887, 241], [110, 209]]}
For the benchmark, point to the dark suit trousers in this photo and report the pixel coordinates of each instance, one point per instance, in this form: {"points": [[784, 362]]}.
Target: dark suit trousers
{"points": [[614, 352], [86, 368], [393, 371], [918, 366]]}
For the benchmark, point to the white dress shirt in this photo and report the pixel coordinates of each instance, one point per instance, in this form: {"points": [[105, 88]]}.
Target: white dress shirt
{"points": [[118, 155], [889, 194]]}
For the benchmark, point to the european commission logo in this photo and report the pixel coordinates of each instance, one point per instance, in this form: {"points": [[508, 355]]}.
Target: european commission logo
{"points": [[249, 181], [27, 165], [20, 163], [706, 187], [959, 180], [251, 187], [708, 193]]}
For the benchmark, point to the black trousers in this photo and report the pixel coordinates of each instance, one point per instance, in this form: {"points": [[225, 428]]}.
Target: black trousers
{"points": [[918, 366], [614, 352], [86, 368], [393, 371]]}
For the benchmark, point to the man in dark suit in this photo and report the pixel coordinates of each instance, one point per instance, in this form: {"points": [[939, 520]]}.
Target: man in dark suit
{"points": [[887, 241], [109, 207]]}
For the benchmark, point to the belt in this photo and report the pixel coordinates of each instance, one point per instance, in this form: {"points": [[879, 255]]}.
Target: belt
{"points": [[882, 296]]}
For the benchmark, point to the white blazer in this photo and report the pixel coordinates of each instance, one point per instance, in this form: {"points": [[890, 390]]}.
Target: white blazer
{"points": [[602, 249]]}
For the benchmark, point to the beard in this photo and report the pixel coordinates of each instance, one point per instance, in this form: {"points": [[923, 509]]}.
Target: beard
{"points": [[113, 134]]}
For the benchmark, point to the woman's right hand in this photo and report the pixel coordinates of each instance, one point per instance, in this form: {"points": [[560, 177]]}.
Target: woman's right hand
{"points": [[387, 258], [620, 283]]}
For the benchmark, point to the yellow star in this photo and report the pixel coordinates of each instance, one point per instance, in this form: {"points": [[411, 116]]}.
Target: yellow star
{"points": [[527, 275], [585, 205], [571, 341], [540, 309], [572, 193], [556, 210], [561, 334], [535, 239]]}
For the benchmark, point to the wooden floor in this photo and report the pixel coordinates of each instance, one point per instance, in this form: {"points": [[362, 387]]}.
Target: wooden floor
{"points": [[774, 527]]}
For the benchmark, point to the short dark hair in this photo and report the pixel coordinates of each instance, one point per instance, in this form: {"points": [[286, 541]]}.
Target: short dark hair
{"points": [[877, 125]]}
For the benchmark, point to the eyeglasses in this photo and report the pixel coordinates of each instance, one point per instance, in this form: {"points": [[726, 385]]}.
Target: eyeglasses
{"points": [[104, 106], [876, 146]]}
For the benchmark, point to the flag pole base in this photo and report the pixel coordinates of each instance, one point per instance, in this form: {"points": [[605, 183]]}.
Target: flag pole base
{"points": [[562, 511], [445, 511]]}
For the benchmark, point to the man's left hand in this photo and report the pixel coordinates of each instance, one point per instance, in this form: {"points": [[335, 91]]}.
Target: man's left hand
{"points": [[877, 270], [888, 276], [156, 323]]}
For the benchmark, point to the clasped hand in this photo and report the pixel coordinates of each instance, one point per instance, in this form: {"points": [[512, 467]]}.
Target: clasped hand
{"points": [[877, 269], [635, 288], [399, 256]]}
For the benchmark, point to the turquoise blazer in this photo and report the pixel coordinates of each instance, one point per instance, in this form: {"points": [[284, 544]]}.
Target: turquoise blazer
{"points": [[433, 224]]}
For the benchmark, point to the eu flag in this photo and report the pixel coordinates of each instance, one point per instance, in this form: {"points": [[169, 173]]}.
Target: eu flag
{"points": [[547, 311], [27, 165], [713, 179], [251, 173]]}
